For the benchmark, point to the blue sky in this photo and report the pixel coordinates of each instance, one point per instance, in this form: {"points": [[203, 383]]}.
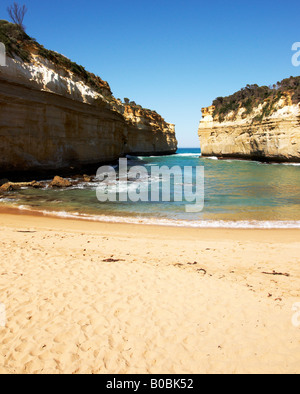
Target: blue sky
{"points": [[172, 56]]}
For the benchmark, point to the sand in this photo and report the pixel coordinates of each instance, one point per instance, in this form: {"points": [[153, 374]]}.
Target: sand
{"points": [[83, 297]]}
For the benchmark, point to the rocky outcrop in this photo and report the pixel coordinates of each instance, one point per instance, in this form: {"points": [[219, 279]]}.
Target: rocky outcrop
{"points": [[59, 182], [51, 118], [275, 137], [11, 186]]}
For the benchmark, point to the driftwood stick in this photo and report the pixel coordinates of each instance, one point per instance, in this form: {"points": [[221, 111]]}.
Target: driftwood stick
{"points": [[276, 273]]}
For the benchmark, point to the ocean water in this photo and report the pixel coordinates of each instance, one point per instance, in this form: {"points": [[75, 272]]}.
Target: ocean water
{"points": [[238, 194]]}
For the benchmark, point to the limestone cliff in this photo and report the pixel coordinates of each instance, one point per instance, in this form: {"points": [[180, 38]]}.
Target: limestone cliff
{"points": [[55, 115], [266, 130]]}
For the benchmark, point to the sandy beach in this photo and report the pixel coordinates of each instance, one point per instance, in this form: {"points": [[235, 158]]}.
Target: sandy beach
{"points": [[85, 297]]}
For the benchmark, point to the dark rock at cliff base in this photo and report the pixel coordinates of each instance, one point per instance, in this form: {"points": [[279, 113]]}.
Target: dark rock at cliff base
{"points": [[87, 178], [7, 187], [3, 182], [36, 185], [59, 182]]}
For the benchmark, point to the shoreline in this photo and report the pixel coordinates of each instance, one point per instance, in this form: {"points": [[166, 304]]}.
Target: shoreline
{"points": [[253, 158], [11, 216], [156, 222]]}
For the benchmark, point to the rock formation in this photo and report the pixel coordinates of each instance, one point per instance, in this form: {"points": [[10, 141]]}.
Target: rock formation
{"points": [[56, 115], [265, 130], [11, 186], [60, 182]]}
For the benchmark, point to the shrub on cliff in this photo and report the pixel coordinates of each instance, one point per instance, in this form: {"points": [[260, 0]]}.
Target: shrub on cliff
{"points": [[17, 14], [16, 41]]}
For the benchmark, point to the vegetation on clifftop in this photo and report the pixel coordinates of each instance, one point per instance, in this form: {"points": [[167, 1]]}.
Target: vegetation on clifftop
{"points": [[15, 40], [19, 44], [252, 96]]}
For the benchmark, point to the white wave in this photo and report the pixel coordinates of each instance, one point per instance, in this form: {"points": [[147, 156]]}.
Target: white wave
{"points": [[291, 164], [24, 208], [188, 154], [83, 185], [4, 200], [157, 157], [215, 224], [285, 164]]}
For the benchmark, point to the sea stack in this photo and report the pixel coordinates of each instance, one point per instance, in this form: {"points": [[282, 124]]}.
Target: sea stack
{"points": [[54, 114], [258, 123]]}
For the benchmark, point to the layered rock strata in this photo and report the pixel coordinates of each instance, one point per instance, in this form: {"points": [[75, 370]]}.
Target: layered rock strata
{"points": [[51, 119], [273, 138]]}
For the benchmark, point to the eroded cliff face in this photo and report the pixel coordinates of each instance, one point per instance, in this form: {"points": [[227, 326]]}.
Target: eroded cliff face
{"points": [[51, 119], [241, 135]]}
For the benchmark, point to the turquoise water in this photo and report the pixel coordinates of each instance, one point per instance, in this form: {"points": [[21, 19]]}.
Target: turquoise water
{"points": [[237, 194]]}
